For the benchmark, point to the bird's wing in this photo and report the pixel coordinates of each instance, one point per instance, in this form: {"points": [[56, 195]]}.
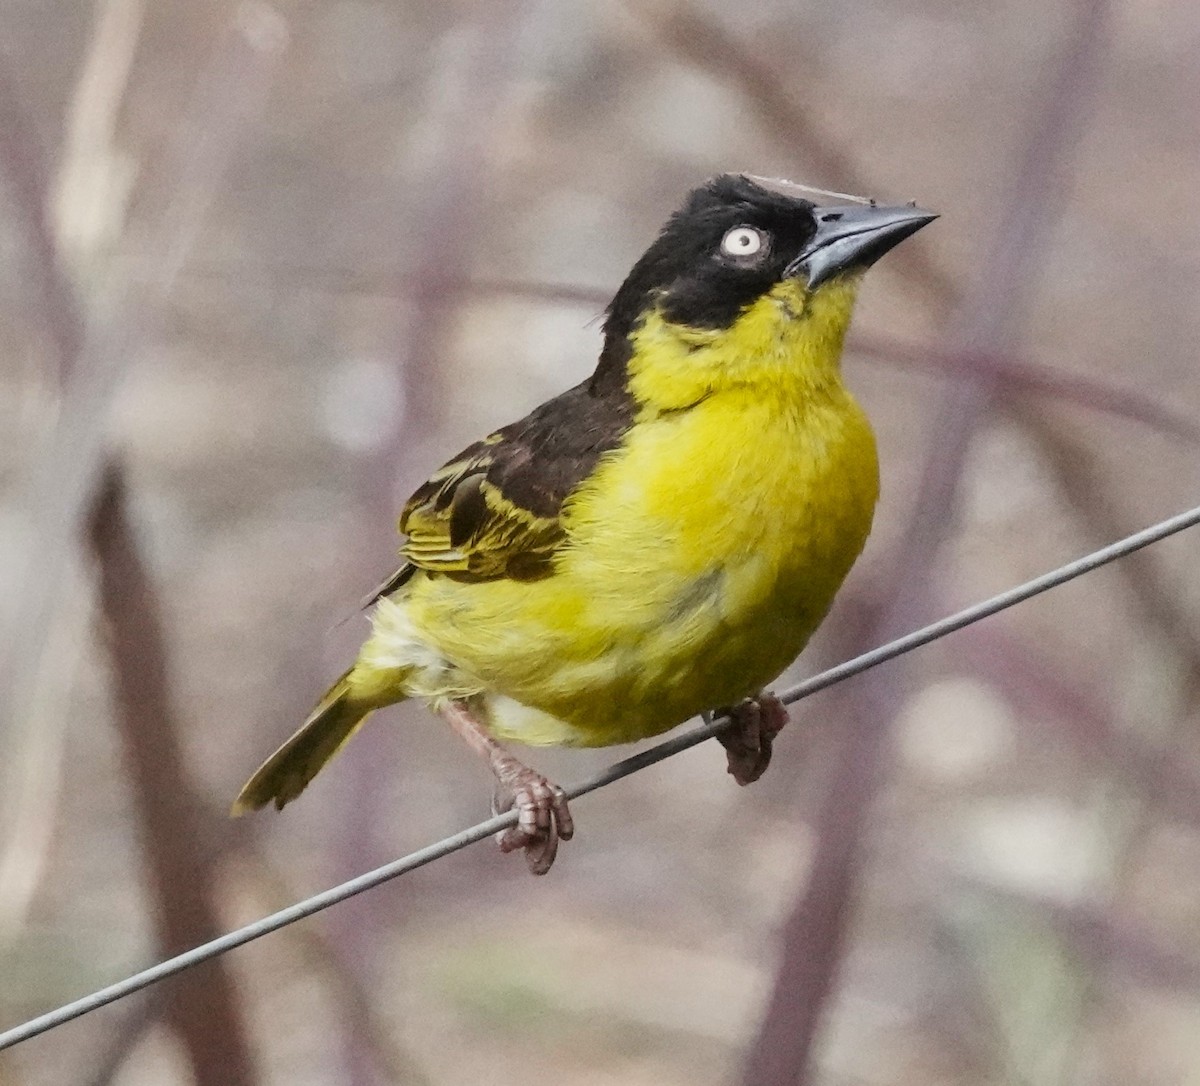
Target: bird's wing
{"points": [[469, 518], [495, 509]]}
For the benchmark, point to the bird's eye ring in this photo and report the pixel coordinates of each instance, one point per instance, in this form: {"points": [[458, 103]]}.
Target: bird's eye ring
{"points": [[743, 241]]}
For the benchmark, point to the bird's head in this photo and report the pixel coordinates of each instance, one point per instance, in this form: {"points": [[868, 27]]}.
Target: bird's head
{"points": [[748, 282]]}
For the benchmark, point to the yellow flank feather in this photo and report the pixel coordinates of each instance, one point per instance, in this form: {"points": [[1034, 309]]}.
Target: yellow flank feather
{"points": [[667, 600]]}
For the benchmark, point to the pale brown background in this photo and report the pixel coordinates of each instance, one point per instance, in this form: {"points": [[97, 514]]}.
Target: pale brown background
{"points": [[320, 245]]}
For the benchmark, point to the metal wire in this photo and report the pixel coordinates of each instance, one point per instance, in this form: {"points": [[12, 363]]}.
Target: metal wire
{"points": [[640, 761]]}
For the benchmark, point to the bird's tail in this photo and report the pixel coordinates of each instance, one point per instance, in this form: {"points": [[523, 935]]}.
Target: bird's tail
{"points": [[283, 776]]}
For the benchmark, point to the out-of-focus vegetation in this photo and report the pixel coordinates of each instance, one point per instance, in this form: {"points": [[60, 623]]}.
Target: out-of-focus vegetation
{"points": [[265, 265]]}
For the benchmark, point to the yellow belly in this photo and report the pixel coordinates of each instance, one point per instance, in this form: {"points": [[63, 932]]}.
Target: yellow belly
{"points": [[701, 557]]}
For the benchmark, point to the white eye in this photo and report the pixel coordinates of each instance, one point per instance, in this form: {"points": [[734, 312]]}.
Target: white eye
{"points": [[742, 241]]}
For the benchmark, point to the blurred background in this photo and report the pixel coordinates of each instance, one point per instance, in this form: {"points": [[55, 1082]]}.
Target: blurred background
{"points": [[264, 266]]}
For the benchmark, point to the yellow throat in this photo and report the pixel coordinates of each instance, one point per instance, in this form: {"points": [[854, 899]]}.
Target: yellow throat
{"points": [[788, 344]]}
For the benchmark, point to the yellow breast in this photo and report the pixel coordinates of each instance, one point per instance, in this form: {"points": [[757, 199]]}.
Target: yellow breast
{"points": [[704, 557], [702, 553]]}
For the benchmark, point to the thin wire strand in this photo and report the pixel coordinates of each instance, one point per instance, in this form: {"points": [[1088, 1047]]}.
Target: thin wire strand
{"points": [[613, 773]]}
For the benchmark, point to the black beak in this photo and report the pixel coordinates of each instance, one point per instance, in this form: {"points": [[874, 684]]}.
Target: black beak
{"points": [[854, 237]]}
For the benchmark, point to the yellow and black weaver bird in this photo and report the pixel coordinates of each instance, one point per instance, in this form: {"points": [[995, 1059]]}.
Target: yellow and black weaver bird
{"points": [[660, 540]]}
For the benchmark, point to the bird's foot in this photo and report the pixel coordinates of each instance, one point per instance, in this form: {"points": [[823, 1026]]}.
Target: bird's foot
{"points": [[543, 817], [747, 741]]}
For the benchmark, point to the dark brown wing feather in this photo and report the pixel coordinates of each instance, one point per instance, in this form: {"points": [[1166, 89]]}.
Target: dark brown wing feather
{"points": [[494, 510]]}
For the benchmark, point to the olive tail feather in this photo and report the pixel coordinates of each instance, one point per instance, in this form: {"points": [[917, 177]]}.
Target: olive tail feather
{"points": [[284, 775]]}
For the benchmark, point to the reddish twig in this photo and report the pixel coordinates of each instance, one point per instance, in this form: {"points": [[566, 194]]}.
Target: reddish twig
{"points": [[1014, 375], [202, 1008]]}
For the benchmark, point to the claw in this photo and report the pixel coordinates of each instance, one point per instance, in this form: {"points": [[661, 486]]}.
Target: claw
{"points": [[543, 817], [748, 740]]}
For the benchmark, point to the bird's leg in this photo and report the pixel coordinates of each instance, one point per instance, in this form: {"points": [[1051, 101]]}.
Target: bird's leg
{"points": [[543, 815], [747, 741]]}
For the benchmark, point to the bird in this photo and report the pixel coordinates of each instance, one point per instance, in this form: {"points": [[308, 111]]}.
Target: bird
{"points": [[657, 542]]}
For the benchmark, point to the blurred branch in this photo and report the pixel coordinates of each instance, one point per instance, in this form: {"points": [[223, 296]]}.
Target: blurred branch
{"points": [[317, 949], [33, 764], [390, 283], [462, 108], [122, 1040], [87, 366], [30, 790], [61, 488], [991, 320], [23, 170], [1036, 687], [1111, 943], [1079, 475], [201, 1009], [708, 46], [1104, 939], [90, 196], [1015, 375], [1020, 961], [959, 1009]]}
